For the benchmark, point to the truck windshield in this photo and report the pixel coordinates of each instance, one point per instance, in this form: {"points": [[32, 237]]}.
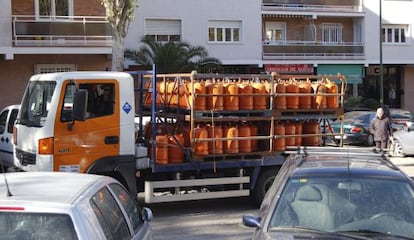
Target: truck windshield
{"points": [[35, 104]]}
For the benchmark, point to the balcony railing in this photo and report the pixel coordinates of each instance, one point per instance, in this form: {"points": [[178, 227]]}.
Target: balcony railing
{"points": [[269, 6], [312, 49], [72, 31]]}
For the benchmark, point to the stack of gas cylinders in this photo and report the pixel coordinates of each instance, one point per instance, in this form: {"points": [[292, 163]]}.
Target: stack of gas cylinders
{"points": [[272, 93]]}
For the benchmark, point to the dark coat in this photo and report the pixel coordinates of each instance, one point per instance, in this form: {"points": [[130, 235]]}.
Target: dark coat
{"points": [[381, 128]]}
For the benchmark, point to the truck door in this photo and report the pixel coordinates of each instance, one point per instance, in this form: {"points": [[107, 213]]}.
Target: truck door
{"points": [[79, 144]]}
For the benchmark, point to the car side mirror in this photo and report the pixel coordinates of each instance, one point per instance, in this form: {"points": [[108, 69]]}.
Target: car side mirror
{"points": [[251, 221], [147, 214]]}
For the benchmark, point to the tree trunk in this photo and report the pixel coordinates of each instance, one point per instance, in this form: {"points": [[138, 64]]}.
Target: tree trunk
{"points": [[118, 52]]}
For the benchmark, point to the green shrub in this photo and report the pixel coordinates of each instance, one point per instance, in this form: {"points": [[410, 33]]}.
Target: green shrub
{"points": [[352, 102], [371, 103]]}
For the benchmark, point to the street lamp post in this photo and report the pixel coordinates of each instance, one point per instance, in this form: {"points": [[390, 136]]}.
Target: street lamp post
{"points": [[380, 56]]}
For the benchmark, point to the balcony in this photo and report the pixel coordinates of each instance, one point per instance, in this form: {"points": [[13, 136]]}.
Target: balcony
{"points": [[72, 31], [307, 50], [315, 7]]}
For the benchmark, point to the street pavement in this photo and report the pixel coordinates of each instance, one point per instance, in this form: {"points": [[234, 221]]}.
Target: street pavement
{"points": [[406, 164]]}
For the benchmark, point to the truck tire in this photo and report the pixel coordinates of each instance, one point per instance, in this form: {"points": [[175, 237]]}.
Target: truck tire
{"points": [[264, 182]]}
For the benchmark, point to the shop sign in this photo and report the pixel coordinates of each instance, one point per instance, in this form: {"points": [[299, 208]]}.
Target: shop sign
{"points": [[289, 68]]}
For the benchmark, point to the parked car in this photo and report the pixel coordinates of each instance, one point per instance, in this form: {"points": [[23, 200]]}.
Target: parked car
{"points": [[339, 193], [356, 128], [7, 118], [399, 118], [57, 205], [402, 142]]}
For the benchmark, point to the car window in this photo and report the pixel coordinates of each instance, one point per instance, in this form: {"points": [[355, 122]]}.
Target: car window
{"points": [[109, 215], [3, 119], [45, 226], [12, 119], [346, 204], [129, 204]]}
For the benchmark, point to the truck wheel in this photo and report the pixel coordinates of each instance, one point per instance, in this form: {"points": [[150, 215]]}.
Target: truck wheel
{"points": [[263, 184]]}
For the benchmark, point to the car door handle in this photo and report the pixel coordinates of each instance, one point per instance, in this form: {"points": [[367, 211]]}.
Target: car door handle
{"points": [[111, 140]]}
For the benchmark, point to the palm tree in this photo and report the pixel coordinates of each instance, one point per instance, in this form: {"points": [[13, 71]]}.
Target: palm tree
{"points": [[173, 57]]}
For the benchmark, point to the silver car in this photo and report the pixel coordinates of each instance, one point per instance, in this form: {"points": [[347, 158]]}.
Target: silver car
{"points": [[402, 142], [56, 205]]}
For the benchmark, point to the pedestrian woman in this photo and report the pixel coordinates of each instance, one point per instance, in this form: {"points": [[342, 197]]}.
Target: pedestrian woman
{"points": [[381, 129]]}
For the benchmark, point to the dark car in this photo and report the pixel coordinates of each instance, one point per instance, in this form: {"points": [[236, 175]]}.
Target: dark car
{"points": [[336, 193], [356, 128]]}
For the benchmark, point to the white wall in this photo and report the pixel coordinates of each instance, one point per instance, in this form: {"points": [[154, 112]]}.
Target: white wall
{"points": [[195, 16], [393, 12], [5, 27]]}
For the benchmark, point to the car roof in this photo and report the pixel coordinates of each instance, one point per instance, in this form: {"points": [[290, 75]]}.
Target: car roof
{"points": [[345, 161], [47, 187]]}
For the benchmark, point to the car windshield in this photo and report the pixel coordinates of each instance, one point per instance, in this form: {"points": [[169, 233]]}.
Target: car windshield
{"points": [[23, 225], [35, 104], [346, 205]]}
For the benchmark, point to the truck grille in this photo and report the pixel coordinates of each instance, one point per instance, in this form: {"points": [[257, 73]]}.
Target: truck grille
{"points": [[25, 158]]}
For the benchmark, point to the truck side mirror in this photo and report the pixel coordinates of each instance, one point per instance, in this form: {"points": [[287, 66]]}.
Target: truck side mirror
{"points": [[79, 105]]}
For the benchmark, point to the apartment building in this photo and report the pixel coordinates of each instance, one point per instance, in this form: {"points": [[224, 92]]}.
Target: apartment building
{"points": [[294, 37], [40, 36]]}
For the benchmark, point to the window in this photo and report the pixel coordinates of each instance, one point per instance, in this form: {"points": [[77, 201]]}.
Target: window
{"points": [[129, 204], [109, 215], [224, 31], [101, 100], [54, 8], [3, 120], [331, 32], [163, 30], [50, 68], [31, 225], [394, 34], [12, 119], [275, 32]]}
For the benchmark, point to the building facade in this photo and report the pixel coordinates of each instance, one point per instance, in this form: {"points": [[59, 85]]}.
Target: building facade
{"points": [[295, 37], [40, 36]]}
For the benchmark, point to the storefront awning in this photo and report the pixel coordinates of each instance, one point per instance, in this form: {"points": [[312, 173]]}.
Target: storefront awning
{"points": [[352, 72]]}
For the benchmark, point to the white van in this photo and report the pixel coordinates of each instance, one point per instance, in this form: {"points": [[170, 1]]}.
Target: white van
{"points": [[7, 118]]}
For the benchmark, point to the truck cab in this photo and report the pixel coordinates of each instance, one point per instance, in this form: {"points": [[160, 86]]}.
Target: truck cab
{"points": [[48, 138]]}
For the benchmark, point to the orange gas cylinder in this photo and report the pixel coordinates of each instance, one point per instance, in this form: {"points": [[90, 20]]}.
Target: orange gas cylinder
{"points": [[290, 129], [172, 93], [292, 102], [279, 143], [305, 89], [215, 101], [199, 101], [311, 127], [259, 102], [231, 145], [331, 88], [298, 132], [245, 145], [215, 131], [184, 95], [246, 99], [254, 131], [201, 147], [318, 100], [280, 98], [175, 151], [161, 149], [162, 91], [231, 98]]}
